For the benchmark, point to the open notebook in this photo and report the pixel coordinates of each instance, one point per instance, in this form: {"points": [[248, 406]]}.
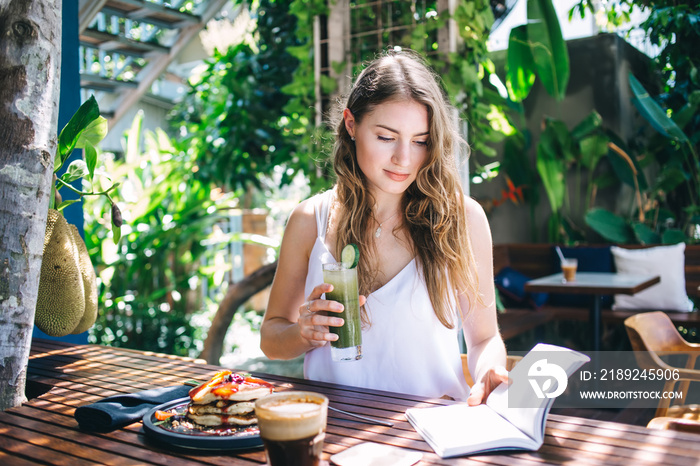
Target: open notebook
{"points": [[513, 416]]}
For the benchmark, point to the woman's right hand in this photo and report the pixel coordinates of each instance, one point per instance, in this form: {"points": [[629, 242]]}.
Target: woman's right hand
{"points": [[316, 315]]}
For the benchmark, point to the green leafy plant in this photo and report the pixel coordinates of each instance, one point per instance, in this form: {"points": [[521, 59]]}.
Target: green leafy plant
{"points": [[466, 75], [252, 109], [564, 155], [653, 219], [84, 131], [537, 48], [668, 208], [663, 174], [150, 289]]}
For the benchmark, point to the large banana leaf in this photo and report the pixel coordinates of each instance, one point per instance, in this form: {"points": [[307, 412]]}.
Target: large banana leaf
{"points": [[551, 168], [623, 163], [669, 179], [589, 124], [520, 65], [593, 148], [548, 47], [673, 236], [653, 112], [561, 142], [608, 225], [645, 235]]}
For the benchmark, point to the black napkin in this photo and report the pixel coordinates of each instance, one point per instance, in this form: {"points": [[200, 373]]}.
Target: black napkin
{"points": [[117, 411]]}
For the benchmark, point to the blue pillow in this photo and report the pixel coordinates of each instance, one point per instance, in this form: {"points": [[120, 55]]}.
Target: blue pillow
{"points": [[511, 285], [590, 259]]}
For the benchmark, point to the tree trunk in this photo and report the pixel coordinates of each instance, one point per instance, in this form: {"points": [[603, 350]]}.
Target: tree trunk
{"points": [[30, 58], [237, 294]]}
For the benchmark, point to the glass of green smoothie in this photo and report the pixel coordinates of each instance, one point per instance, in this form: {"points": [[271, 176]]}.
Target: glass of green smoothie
{"points": [[348, 346]]}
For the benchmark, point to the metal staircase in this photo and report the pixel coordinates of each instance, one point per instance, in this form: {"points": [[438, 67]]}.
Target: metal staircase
{"points": [[127, 45]]}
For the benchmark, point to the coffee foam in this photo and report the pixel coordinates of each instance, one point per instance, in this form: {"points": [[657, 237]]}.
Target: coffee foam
{"points": [[290, 417], [294, 409]]}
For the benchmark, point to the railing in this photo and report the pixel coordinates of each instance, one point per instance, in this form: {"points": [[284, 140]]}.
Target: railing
{"points": [[125, 34]]}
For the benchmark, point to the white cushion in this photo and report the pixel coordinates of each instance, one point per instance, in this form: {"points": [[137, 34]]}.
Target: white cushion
{"points": [[666, 261]]}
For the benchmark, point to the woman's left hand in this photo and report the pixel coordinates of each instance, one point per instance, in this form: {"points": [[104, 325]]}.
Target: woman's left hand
{"points": [[481, 390]]}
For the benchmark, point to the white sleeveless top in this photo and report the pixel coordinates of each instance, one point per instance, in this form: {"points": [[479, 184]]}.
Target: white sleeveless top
{"points": [[405, 350]]}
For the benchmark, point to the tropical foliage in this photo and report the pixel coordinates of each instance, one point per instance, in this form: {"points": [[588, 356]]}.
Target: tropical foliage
{"points": [[84, 130], [667, 206], [251, 109], [150, 283], [236, 129], [662, 171]]}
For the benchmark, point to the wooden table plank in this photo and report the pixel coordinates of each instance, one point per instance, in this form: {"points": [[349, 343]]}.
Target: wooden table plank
{"points": [[635, 437], [37, 447], [41, 434], [7, 458]]}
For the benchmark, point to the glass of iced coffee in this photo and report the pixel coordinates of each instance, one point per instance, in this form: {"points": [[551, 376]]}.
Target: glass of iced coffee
{"points": [[292, 427], [568, 269]]}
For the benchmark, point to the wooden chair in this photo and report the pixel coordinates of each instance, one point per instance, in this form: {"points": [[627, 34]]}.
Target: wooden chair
{"points": [[511, 361], [672, 423], [653, 334]]}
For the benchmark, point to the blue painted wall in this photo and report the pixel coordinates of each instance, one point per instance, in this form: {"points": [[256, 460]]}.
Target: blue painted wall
{"points": [[69, 103]]}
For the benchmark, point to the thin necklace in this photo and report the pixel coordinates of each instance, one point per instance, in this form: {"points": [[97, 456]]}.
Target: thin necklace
{"points": [[378, 231]]}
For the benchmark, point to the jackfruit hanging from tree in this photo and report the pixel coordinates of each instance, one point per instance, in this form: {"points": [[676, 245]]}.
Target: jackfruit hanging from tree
{"points": [[61, 301], [67, 301], [87, 273]]}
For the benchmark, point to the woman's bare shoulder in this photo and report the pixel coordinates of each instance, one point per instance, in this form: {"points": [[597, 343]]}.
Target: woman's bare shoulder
{"points": [[302, 221], [477, 223], [301, 229], [473, 209]]}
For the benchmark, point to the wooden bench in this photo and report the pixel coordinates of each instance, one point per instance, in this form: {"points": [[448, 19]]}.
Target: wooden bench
{"points": [[538, 260], [513, 322]]}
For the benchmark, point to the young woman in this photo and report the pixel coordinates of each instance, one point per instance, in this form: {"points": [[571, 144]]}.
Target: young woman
{"points": [[425, 264]]}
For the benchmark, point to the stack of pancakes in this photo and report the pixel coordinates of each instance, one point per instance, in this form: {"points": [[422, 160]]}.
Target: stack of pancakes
{"points": [[228, 399]]}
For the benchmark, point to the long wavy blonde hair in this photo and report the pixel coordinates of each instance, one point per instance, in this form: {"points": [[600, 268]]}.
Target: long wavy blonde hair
{"points": [[433, 206]]}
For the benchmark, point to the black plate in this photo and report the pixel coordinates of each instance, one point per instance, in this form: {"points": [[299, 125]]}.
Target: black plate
{"points": [[196, 439]]}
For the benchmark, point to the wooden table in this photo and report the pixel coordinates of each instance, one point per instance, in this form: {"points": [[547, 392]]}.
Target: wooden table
{"points": [[64, 376], [596, 284]]}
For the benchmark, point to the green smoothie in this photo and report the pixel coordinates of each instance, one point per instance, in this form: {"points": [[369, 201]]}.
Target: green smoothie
{"points": [[345, 292]]}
